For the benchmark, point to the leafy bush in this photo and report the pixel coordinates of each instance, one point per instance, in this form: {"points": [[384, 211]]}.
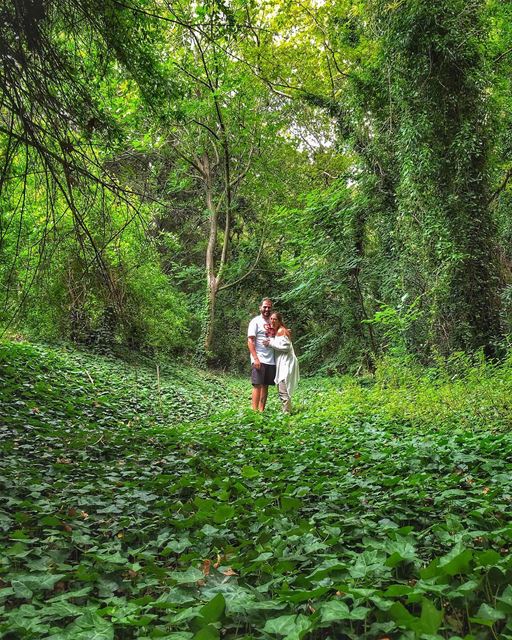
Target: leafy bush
{"points": [[157, 315]]}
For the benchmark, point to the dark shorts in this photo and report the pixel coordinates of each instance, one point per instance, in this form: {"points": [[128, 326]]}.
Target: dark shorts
{"points": [[264, 375]]}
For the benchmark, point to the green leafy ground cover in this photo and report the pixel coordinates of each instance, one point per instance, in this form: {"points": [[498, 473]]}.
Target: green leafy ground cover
{"points": [[374, 512]]}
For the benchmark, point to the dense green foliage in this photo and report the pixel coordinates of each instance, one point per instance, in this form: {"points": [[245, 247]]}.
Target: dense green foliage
{"points": [[164, 166], [379, 510]]}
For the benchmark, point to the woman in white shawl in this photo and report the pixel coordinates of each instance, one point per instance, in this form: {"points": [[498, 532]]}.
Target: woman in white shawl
{"points": [[287, 366]]}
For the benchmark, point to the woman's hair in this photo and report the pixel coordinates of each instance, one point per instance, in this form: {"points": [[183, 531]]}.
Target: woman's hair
{"points": [[279, 317]]}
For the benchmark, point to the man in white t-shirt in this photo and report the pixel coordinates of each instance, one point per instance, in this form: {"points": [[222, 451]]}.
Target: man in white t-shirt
{"points": [[262, 357]]}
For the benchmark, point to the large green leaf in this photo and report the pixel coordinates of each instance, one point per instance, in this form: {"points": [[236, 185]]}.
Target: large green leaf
{"points": [[430, 618], [213, 610], [21, 590], [488, 615], [207, 633], [402, 616], [334, 611], [456, 561], [293, 627], [249, 472], [189, 576], [222, 513]]}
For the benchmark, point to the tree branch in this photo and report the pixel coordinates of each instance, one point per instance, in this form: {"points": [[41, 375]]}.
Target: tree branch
{"points": [[501, 188], [503, 55], [235, 282]]}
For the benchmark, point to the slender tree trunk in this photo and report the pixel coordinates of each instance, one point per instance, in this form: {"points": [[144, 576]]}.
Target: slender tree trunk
{"points": [[212, 279], [211, 299]]}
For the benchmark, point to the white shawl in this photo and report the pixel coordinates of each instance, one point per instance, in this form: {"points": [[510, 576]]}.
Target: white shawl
{"points": [[287, 365]]}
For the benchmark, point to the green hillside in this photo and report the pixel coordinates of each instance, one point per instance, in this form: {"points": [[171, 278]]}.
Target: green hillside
{"points": [[372, 512]]}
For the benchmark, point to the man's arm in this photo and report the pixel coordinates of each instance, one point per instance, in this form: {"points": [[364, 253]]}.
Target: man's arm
{"points": [[251, 343]]}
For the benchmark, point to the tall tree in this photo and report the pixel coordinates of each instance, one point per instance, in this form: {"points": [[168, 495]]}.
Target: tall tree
{"points": [[55, 132], [438, 82], [221, 131]]}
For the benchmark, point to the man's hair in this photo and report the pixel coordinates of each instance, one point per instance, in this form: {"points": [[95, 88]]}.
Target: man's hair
{"points": [[265, 300]]}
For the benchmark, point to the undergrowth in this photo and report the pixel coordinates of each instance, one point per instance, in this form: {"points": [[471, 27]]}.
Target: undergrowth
{"points": [[138, 508]]}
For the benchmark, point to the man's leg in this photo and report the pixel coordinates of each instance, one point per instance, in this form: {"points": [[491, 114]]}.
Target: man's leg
{"points": [[256, 381], [263, 398], [256, 397]]}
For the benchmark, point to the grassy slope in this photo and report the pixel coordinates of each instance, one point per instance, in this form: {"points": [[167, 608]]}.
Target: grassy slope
{"points": [[372, 512]]}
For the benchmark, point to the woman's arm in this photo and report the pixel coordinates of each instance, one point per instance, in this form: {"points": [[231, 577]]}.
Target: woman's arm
{"points": [[280, 343]]}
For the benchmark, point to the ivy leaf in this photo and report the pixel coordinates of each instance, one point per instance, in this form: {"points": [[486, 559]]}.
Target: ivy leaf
{"points": [[430, 618], [334, 611], [289, 503], [223, 513], [90, 626], [456, 561], [213, 610], [249, 472], [397, 590], [293, 627], [44, 582], [189, 576], [506, 598], [488, 558], [402, 616], [487, 615], [21, 590], [359, 613], [400, 550], [207, 633]]}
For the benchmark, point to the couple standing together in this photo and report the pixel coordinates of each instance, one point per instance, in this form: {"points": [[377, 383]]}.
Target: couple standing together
{"points": [[272, 357]]}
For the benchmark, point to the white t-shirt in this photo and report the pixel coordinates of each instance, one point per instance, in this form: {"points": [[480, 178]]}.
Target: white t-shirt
{"points": [[260, 329]]}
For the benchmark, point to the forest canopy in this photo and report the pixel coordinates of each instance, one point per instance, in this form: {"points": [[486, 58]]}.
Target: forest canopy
{"points": [[164, 165]]}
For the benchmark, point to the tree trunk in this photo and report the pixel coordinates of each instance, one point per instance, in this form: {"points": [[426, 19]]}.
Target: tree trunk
{"points": [[212, 280], [443, 113], [211, 299]]}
